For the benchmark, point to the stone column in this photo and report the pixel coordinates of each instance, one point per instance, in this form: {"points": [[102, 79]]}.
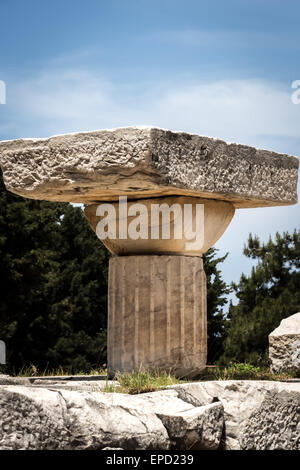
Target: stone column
{"points": [[157, 314], [157, 286]]}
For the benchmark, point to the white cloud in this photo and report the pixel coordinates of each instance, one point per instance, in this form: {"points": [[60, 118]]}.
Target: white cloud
{"points": [[235, 110], [239, 39], [62, 100]]}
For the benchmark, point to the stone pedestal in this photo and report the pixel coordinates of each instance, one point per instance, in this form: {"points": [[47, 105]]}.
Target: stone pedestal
{"points": [[157, 314], [157, 285]]}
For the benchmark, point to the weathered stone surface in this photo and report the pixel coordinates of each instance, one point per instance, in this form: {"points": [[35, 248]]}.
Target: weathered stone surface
{"points": [[211, 223], [93, 166], [112, 448], [36, 418], [73, 385], [69, 382], [44, 419], [196, 429], [32, 419], [258, 415], [284, 344], [8, 380], [157, 314], [275, 424]]}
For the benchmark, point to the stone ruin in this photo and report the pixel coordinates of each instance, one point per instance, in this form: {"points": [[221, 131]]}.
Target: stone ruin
{"points": [[157, 287], [284, 345]]}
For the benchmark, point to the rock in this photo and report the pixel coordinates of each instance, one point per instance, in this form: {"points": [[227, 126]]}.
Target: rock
{"points": [[112, 448], [275, 424], [92, 383], [194, 393], [91, 166], [43, 419], [8, 380], [196, 429], [32, 419], [37, 418], [258, 415], [284, 345]]}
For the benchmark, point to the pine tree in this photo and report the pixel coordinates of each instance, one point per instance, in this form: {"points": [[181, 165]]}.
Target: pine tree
{"points": [[217, 290], [78, 297], [53, 288], [270, 293]]}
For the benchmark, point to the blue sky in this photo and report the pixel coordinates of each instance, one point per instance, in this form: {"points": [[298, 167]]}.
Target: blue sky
{"points": [[217, 68]]}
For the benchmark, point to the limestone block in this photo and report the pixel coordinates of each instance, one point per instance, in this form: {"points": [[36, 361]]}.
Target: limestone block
{"points": [[284, 345], [259, 415], [157, 314], [199, 428], [93, 166], [210, 223], [42, 418], [8, 380]]}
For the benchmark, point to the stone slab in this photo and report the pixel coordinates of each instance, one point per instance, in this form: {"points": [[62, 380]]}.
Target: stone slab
{"points": [[45, 418], [198, 428], [140, 162], [259, 415], [284, 345]]}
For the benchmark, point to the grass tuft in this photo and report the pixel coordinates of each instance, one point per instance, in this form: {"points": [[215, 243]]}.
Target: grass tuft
{"points": [[141, 381], [34, 371], [244, 371]]}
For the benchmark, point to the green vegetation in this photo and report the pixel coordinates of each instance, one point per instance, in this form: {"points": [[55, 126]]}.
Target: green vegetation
{"points": [[244, 371], [34, 371], [217, 290], [144, 381], [53, 289], [147, 381], [269, 294], [141, 381]]}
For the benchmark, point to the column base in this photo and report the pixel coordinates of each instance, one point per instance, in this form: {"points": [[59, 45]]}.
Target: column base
{"points": [[157, 314]]}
